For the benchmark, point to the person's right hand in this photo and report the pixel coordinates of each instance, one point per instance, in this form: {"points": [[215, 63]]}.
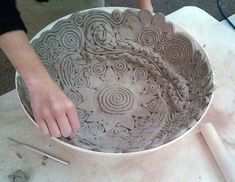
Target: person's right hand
{"points": [[54, 113]]}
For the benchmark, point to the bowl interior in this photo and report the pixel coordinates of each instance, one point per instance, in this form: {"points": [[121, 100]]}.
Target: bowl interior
{"points": [[137, 83]]}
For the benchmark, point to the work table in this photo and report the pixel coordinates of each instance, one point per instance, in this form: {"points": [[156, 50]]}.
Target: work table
{"points": [[188, 159]]}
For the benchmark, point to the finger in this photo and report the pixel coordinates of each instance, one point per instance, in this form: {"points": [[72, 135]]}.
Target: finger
{"points": [[73, 119], [72, 136], [145, 4], [53, 127], [43, 126], [64, 125]]}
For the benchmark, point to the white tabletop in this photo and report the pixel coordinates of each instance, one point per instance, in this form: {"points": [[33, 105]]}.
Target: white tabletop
{"points": [[189, 159]]}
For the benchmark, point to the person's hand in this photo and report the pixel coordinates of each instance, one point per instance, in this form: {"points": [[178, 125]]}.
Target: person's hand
{"points": [[145, 4], [54, 113]]}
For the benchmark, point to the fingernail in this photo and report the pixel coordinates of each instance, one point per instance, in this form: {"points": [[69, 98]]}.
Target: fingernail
{"points": [[72, 136]]}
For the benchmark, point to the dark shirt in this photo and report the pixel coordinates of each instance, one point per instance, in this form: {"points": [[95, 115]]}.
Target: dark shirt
{"points": [[10, 17]]}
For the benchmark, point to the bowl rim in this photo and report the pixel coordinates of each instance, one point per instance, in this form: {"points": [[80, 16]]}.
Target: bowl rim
{"points": [[120, 154]]}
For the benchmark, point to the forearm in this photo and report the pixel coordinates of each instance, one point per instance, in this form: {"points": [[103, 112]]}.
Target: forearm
{"points": [[16, 46], [145, 4]]}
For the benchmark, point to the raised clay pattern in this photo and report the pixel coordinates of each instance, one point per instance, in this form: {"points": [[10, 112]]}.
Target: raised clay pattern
{"points": [[115, 100], [136, 82]]}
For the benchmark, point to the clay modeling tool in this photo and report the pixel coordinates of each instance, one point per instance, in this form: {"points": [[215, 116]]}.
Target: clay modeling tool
{"points": [[218, 150], [38, 151]]}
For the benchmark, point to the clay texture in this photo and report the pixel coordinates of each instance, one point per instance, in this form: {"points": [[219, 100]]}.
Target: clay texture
{"points": [[136, 82]]}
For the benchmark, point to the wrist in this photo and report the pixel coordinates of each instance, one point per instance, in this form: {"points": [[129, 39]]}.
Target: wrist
{"points": [[37, 82]]}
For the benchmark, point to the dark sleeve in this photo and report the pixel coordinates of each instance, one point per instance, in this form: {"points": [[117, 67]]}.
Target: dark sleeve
{"points": [[10, 17]]}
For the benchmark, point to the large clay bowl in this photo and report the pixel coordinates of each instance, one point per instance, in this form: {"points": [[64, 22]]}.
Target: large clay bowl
{"points": [[138, 81]]}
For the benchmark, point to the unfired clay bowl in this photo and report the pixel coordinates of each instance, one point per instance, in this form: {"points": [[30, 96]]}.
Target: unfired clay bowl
{"points": [[138, 82]]}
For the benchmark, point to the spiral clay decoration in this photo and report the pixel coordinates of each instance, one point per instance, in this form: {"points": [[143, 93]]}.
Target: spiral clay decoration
{"points": [[163, 41], [99, 69], [143, 122], [159, 48], [93, 127], [76, 97], [154, 105], [81, 81], [51, 41], [179, 51], [59, 51], [119, 131], [116, 15], [82, 114], [148, 38], [77, 19], [202, 70], [99, 33], [152, 88], [115, 100], [42, 51], [70, 37], [187, 70], [140, 74], [120, 66]]}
